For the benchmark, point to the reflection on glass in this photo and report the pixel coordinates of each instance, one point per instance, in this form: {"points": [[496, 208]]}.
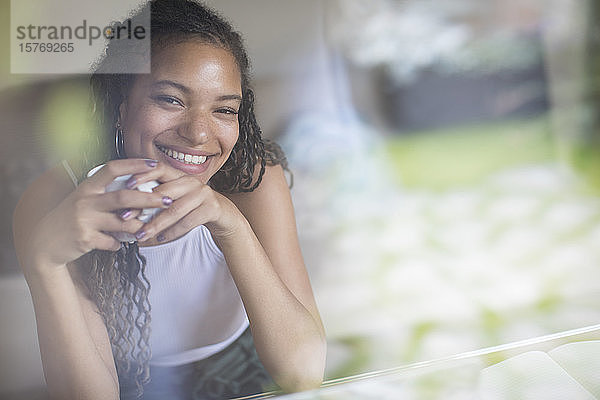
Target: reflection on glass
{"points": [[435, 212], [563, 365], [440, 218]]}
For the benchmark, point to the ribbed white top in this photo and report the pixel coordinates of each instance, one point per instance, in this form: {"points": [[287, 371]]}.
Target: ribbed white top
{"points": [[196, 308]]}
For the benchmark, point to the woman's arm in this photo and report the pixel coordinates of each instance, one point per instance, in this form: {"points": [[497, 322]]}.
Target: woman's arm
{"points": [[257, 233], [54, 225], [275, 287], [74, 346]]}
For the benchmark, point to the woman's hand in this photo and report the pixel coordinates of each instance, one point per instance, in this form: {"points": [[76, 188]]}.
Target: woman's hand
{"points": [[194, 203], [81, 222]]}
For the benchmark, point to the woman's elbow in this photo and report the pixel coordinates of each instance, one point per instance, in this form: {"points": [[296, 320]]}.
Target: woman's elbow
{"points": [[306, 367]]}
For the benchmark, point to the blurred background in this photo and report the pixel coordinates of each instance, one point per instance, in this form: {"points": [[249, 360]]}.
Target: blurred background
{"points": [[445, 160]]}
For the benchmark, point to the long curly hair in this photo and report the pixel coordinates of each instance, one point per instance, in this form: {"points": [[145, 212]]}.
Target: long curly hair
{"points": [[117, 280]]}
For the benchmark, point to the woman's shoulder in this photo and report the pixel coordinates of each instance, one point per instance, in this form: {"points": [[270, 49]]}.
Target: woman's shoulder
{"points": [[41, 196], [48, 189], [272, 184], [270, 201]]}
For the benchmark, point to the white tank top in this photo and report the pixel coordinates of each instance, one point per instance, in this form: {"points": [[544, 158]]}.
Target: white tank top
{"points": [[196, 307]]}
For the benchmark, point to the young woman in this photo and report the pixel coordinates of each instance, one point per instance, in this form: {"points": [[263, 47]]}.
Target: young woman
{"points": [[176, 307]]}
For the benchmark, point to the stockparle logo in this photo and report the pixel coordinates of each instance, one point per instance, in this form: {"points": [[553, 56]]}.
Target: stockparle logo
{"points": [[71, 37]]}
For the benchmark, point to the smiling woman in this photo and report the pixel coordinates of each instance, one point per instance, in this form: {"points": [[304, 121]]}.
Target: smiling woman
{"points": [[212, 299], [187, 107]]}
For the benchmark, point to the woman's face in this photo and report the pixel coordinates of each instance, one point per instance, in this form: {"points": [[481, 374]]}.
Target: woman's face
{"points": [[185, 112]]}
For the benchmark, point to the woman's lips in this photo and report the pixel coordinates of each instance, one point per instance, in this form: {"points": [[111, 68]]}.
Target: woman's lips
{"points": [[186, 158], [187, 162]]}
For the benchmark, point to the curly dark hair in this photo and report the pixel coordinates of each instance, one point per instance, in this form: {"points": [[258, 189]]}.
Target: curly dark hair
{"points": [[117, 281]]}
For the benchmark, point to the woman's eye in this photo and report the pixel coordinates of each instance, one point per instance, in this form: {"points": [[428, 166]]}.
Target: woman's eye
{"points": [[169, 100], [230, 111]]}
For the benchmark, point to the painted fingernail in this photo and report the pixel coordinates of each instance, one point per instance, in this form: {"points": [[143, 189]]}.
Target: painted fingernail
{"points": [[161, 237], [151, 163], [167, 201], [140, 235], [125, 214], [131, 183]]}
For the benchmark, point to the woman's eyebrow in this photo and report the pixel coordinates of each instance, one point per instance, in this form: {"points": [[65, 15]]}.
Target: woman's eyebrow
{"points": [[230, 97], [185, 89], [176, 85]]}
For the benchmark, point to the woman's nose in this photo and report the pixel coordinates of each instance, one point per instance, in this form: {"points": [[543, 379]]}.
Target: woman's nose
{"points": [[196, 129]]}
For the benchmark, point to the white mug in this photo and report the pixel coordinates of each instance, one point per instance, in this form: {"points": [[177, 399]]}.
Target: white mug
{"points": [[120, 183]]}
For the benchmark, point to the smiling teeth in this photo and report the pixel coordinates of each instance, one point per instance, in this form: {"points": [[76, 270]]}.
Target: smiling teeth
{"points": [[183, 157]]}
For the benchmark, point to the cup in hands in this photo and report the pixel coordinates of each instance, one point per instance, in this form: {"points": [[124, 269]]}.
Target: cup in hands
{"points": [[120, 183]]}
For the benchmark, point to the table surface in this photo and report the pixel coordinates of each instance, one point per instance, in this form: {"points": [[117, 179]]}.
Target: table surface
{"points": [[563, 365]]}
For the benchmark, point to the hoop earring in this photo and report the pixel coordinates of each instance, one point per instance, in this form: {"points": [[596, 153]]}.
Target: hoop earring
{"points": [[119, 142]]}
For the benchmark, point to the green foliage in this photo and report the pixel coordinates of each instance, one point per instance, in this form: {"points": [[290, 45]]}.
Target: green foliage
{"points": [[70, 127], [466, 155]]}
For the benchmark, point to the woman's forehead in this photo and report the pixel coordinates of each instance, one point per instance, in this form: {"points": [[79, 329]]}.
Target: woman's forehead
{"points": [[194, 63]]}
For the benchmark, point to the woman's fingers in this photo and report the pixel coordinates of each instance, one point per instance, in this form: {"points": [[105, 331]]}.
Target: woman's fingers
{"points": [[100, 227], [94, 233], [128, 213], [130, 199], [105, 241], [178, 210], [115, 223], [190, 221], [181, 186], [185, 201], [115, 168], [188, 211], [161, 173]]}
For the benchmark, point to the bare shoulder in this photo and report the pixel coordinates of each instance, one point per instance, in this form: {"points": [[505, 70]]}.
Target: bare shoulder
{"points": [[270, 201], [272, 189], [46, 191], [44, 194]]}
